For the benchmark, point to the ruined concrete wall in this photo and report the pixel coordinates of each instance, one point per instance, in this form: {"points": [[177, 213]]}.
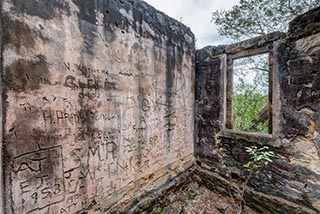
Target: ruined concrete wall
{"points": [[213, 65], [291, 183], [98, 102]]}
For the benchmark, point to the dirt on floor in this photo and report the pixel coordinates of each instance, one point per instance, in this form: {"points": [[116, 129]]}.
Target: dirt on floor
{"points": [[195, 199]]}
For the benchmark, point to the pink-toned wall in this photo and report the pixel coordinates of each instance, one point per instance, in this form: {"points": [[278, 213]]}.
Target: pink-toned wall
{"points": [[98, 102]]}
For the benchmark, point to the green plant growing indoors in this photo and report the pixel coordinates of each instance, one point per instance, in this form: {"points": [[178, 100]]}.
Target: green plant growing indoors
{"points": [[260, 157]]}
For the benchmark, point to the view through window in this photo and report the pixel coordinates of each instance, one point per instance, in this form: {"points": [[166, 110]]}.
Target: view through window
{"points": [[250, 95]]}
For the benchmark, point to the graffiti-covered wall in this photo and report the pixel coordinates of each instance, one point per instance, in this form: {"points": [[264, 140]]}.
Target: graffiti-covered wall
{"points": [[97, 95]]}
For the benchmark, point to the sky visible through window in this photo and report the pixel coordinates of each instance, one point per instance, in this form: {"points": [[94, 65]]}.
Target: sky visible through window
{"points": [[252, 72], [197, 15]]}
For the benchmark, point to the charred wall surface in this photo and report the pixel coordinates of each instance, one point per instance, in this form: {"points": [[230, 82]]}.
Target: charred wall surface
{"points": [[291, 183], [98, 103]]}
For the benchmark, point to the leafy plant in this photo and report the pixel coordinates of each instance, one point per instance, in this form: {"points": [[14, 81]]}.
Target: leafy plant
{"points": [[260, 157]]}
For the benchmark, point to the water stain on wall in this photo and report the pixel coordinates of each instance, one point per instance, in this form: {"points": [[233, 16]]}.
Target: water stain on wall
{"points": [[25, 75]]}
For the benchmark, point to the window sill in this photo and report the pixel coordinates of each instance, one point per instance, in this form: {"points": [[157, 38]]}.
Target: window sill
{"points": [[246, 136]]}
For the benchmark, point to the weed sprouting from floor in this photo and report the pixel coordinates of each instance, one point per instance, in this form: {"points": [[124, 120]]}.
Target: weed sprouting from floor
{"points": [[259, 158]]}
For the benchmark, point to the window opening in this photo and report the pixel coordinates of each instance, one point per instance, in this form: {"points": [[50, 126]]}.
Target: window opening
{"points": [[251, 94]]}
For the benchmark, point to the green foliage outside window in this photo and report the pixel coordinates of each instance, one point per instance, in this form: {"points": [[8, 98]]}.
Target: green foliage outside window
{"points": [[248, 19], [245, 108], [250, 94]]}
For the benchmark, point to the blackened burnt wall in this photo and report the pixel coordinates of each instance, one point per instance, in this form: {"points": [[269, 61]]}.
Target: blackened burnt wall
{"points": [[98, 103], [209, 102], [291, 183]]}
